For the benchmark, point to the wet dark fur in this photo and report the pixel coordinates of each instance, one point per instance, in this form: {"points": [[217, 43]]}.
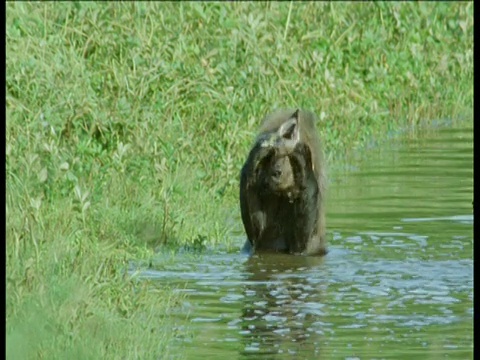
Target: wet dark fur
{"points": [[282, 187]]}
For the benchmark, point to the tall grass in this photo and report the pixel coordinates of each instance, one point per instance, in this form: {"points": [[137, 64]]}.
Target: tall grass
{"points": [[127, 124]]}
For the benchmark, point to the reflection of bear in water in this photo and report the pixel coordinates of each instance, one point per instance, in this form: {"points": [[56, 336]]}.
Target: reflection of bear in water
{"points": [[282, 186], [282, 307]]}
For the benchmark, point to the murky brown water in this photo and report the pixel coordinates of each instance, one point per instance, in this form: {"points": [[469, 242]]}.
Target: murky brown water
{"points": [[397, 283]]}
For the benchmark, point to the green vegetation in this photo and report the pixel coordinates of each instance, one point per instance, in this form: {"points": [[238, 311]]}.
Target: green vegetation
{"points": [[127, 125]]}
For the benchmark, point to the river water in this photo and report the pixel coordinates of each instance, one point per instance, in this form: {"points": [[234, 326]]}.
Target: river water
{"points": [[397, 282]]}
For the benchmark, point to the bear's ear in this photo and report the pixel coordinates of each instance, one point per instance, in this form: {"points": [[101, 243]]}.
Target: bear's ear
{"points": [[296, 114], [289, 129]]}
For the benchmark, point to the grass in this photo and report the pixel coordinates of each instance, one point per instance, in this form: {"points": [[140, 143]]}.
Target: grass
{"points": [[127, 125]]}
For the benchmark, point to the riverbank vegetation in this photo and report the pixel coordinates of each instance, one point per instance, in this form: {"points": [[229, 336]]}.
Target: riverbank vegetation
{"points": [[127, 125]]}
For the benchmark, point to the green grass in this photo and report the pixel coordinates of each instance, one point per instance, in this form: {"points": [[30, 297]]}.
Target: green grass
{"points": [[127, 125]]}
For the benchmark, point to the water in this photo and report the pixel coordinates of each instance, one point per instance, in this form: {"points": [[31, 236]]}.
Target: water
{"points": [[397, 283]]}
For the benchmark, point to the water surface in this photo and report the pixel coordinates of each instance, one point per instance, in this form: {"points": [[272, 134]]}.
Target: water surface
{"points": [[397, 283]]}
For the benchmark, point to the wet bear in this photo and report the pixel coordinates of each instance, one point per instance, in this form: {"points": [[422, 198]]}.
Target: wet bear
{"points": [[282, 186]]}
